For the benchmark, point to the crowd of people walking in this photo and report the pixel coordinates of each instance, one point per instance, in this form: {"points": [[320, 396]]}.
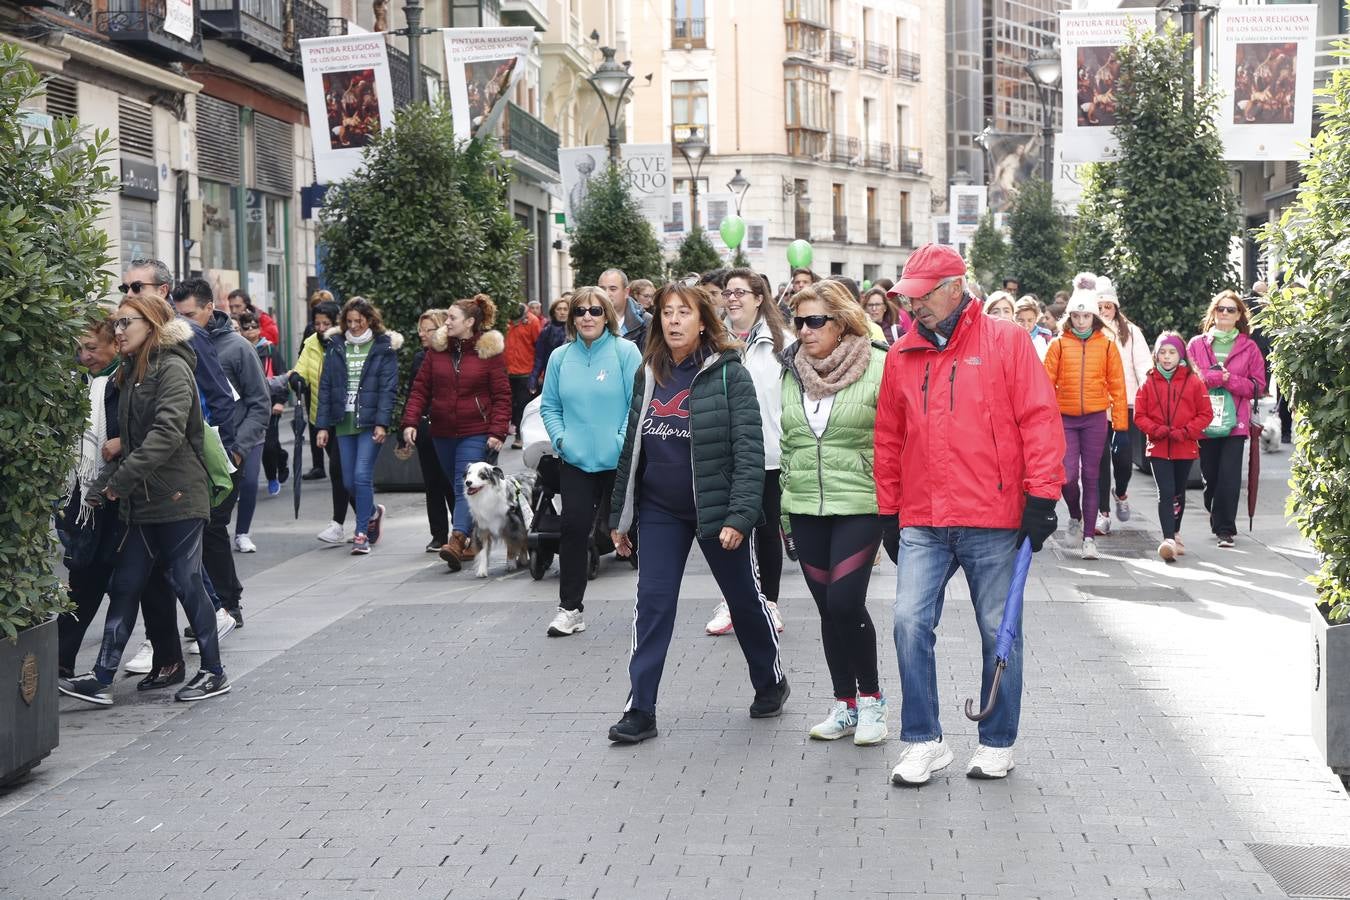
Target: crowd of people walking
{"points": [[819, 422]]}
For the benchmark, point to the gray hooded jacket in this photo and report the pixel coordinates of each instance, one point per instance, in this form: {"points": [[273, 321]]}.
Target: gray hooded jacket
{"points": [[240, 363]]}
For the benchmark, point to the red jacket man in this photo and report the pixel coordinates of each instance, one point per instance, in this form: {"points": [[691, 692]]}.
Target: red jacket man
{"points": [[969, 453]]}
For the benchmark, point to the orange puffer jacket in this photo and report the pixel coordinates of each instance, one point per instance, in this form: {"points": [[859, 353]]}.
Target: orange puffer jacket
{"points": [[1088, 377]]}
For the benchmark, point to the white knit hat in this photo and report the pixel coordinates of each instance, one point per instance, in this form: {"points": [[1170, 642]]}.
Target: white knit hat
{"points": [[1107, 291], [1084, 297]]}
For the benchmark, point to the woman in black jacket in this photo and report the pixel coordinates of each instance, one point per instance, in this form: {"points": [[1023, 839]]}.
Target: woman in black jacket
{"points": [[553, 336], [681, 488]]}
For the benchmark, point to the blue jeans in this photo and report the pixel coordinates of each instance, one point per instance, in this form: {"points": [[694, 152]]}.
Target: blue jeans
{"points": [[359, 452], [456, 454], [248, 491], [929, 557]]}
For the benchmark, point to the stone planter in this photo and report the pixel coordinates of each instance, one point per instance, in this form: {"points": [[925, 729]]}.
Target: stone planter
{"points": [[29, 717], [394, 474], [1331, 692]]}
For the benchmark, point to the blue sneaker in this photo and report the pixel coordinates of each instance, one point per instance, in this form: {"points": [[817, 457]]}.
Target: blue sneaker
{"points": [[273, 487]]}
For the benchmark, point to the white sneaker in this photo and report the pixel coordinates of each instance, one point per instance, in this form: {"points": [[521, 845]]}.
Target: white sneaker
{"points": [[1090, 549], [720, 623], [990, 762], [224, 625], [871, 721], [1103, 523], [244, 544], [1123, 509], [1074, 533], [920, 760], [773, 614], [567, 621], [332, 534], [842, 720], [143, 661]]}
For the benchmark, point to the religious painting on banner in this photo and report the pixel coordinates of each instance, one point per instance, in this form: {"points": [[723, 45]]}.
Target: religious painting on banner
{"points": [[578, 165], [1088, 44], [482, 65], [350, 97], [1014, 159], [1265, 78]]}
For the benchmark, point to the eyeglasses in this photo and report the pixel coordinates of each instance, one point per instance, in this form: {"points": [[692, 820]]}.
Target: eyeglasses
{"points": [[595, 311], [736, 293], [812, 322], [135, 286], [1226, 309], [124, 323]]}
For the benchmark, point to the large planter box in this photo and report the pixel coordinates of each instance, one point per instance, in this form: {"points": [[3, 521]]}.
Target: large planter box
{"points": [[29, 715], [394, 474], [1331, 692]]}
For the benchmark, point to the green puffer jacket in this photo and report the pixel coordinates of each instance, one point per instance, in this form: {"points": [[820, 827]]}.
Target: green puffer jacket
{"points": [[160, 476], [728, 446], [841, 456]]}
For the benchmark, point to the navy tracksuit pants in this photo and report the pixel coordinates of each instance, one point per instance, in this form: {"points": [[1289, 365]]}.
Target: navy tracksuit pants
{"points": [[665, 541]]}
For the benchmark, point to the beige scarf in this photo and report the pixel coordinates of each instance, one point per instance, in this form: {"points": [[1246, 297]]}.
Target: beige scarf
{"points": [[826, 377]]}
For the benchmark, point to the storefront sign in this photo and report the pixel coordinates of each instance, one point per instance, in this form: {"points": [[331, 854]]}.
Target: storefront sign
{"points": [[1265, 79], [140, 179], [350, 98], [482, 65]]}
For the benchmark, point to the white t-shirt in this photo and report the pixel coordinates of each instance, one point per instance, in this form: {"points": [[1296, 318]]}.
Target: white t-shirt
{"points": [[818, 413]]}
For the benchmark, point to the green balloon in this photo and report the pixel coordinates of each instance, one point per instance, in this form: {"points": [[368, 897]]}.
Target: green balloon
{"points": [[733, 230], [799, 254], [866, 286]]}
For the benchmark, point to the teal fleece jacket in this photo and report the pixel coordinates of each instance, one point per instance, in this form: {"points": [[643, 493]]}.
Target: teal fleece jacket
{"points": [[587, 391]]}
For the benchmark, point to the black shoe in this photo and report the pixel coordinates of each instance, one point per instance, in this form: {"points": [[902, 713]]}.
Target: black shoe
{"points": [[314, 474], [162, 677], [634, 728], [435, 545], [238, 615], [63, 672], [189, 633], [205, 684], [283, 476], [769, 703], [86, 688]]}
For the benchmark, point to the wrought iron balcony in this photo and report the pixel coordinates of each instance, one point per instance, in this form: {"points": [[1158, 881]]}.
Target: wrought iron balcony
{"points": [[336, 26], [843, 149], [907, 65], [530, 137], [874, 231], [906, 234], [876, 57], [877, 155], [309, 19], [400, 76], [843, 48], [688, 33], [911, 160], [254, 26], [841, 229], [139, 25]]}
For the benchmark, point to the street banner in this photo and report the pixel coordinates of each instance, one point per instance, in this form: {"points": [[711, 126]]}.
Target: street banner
{"points": [[1088, 44], [1068, 184], [942, 230], [645, 168], [578, 166], [966, 206], [756, 238], [178, 18], [715, 208], [1265, 79], [482, 65], [1015, 160], [350, 98], [675, 229]]}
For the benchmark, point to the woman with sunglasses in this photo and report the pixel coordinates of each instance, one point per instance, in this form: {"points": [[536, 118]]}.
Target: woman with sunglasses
{"points": [[587, 388], [463, 389], [829, 422], [752, 316], [692, 469], [1225, 355]]}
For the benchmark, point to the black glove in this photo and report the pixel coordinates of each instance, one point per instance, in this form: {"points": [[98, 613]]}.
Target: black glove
{"points": [[1038, 522], [890, 535], [1120, 442]]}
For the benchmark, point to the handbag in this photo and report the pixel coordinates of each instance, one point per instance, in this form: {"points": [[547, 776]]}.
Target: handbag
{"points": [[218, 466], [1225, 413]]}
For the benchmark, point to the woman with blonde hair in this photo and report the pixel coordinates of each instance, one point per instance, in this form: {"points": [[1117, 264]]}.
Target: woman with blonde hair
{"points": [[587, 389], [463, 388]]}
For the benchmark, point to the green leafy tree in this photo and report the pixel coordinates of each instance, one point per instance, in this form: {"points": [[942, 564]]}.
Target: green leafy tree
{"points": [[52, 258], [1308, 320], [988, 253], [1165, 211], [612, 233], [697, 254], [424, 223], [1090, 241], [1038, 234]]}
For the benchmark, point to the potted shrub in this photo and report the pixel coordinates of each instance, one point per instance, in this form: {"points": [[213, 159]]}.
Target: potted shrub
{"points": [[1308, 319], [52, 253]]}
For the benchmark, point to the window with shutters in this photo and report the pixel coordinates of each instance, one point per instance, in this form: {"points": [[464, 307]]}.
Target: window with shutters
{"points": [[137, 230], [62, 98], [274, 155], [218, 140], [135, 128]]}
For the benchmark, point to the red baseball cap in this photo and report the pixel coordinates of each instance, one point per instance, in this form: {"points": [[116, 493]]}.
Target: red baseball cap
{"points": [[925, 268]]}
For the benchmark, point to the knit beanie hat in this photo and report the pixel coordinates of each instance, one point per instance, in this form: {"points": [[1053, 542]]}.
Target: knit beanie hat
{"points": [[1084, 297], [1106, 291], [1170, 339]]}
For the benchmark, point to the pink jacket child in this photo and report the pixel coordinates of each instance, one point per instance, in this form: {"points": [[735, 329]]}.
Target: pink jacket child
{"points": [[1246, 373]]}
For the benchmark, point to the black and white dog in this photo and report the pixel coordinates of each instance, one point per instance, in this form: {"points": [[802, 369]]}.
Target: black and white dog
{"points": [[500, 504]]}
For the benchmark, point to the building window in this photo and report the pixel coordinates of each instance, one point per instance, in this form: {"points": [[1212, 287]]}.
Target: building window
{"points": [[137, 231], [805, 38], [688, 27], [218, 225], [475, 13], [810, 12], [682, 189], [688, 108], [808, 109]]}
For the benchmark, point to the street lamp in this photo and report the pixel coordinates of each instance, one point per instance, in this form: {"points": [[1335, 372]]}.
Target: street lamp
{"points": [[738, 185], [1045, 71], [611, 82], [693, 148]]}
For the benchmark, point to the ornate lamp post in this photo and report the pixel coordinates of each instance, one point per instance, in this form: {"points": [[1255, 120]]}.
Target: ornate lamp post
{"points": [[739, 185], [1045, 71], [693, 148], [610, 82]]}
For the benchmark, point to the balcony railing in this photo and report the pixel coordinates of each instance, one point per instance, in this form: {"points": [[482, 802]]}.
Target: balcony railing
{"points": [[841, 229], [906, 234], [843, 48], [907, 65], [530, 137], [876, 57], [843, 149], [254, 26], [139, 24], [874, 231], [688, 33], [801, 222], [336, 26], [911, 160], [877, 155], [807, 143], [309, 19]]}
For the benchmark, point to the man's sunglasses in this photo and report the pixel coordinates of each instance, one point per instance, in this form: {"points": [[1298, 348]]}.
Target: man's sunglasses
{"points": [[135, 286], [812, 322], [595, 311]]}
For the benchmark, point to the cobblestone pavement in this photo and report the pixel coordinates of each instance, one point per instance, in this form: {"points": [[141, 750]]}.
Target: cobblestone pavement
{"points": [[397, 731]]}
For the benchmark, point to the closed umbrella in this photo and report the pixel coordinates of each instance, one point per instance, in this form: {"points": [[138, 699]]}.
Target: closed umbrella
{"points": [[299, 421], [1253, 471], [1007, 629]]}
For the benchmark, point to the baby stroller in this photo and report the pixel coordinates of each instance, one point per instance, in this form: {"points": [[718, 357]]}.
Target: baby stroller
{"points": [[546, 502]]}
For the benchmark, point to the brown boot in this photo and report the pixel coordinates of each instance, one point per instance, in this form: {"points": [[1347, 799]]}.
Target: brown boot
{"points": [[451, 551], [468, 551]]}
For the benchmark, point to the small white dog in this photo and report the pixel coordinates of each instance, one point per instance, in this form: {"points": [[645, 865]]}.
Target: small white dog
{"points": [[500, 504], [1270, 434]]}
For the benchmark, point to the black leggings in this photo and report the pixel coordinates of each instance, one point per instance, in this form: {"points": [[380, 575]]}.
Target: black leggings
{"points": [[1171, 476], [1221, 466], [1116, 463], [836, 554], [585, 496], [768, 539], [340, 496], [440, 493]]}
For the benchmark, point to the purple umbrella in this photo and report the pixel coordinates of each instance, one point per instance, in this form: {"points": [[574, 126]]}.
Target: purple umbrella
{"points": [[1007, 629]]}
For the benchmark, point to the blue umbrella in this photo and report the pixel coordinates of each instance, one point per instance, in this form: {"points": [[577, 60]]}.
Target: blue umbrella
{"points": [[1007, 629]]}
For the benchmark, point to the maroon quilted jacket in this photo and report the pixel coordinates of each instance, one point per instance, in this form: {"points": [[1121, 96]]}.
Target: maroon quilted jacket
{"points": [[471, 398]]}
